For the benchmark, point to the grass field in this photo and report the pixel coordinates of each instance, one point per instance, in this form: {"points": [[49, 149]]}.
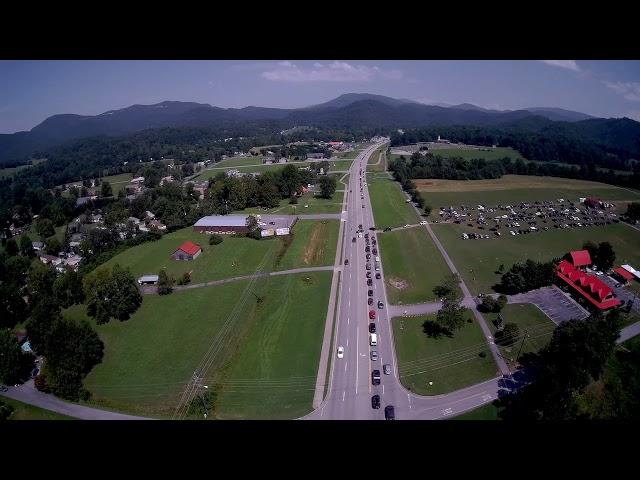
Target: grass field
{"points": [[235, 256], [210, 173], [10, 171], [485, 153], [239, 161], [374, 158], [514, 189], [412, 265], [530, 320], [450, 363], [388, 202], [486, 412], [24, 411], [485, 256], [339, 165], [150, 357], [313, 244], [315, 205], [118, 182]]}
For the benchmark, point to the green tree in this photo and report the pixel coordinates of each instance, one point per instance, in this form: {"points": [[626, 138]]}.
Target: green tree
{"points": [[111, 294], [327, 186], [11, 358], [451, 315], [428, 209], [12, 247], [606, 256], [508, 335], [26, 248], [289, 180], [165, 283], [202, 405], [105, 189], [67, 289], [41, 279], [45, 228], [53, 246], [448, 289], [633, 212], [215, 239], [6, 411]]}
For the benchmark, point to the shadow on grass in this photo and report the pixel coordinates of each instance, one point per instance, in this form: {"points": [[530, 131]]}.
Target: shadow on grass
{"points": [[435, 330]]}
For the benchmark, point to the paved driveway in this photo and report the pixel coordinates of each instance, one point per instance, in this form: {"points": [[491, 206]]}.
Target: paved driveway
{"points": [[557, 305]]}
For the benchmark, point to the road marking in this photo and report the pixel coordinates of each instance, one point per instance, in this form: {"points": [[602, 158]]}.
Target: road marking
{"points": [[343, 394], [486, 398], [447, 411], [383, 389], [345, 366], [347, 320], [347, 341]]}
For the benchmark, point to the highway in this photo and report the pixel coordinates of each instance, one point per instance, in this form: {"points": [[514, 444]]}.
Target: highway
{"points": [[350, 384]]}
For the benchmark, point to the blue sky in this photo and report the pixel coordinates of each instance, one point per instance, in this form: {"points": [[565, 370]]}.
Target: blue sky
{"points": [[31, 91]]}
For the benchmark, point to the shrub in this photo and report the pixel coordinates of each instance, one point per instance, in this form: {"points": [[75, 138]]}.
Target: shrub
{"points": [[215, 239]]}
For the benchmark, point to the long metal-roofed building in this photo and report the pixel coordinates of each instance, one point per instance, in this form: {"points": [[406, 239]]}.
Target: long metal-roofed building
{"points": [[230, 224]]}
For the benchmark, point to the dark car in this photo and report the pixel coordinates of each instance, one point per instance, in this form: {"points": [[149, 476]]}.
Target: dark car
{"points": [[369, 282], [380, 305], [353, 239], [370, 301], [372, 314], [360, 226], [375, 377], [368, 266], [378, 276], [346, 262], [375, 251], [372, 327], [389, 412], [372, 228], [387, 369], [368, 256], [375, 401], [368, 274], [367, 249], [370, 293], [366, 235]]}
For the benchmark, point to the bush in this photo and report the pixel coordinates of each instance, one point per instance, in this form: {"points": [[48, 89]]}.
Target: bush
{"points": [[508, 335], [482, 354], [215, 239]]}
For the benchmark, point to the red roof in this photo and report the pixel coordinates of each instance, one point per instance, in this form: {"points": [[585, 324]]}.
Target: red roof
{"points": [[623, 273], [189, 247], [581, 258], [590, 287]]}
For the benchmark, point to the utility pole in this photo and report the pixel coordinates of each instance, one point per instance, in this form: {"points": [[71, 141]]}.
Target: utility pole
{"points": [[526, 334]]}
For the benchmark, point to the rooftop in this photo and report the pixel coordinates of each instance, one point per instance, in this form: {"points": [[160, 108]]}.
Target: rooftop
{"points": [[222, 221]]}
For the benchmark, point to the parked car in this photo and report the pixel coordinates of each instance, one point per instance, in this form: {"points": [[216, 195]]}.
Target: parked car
{"points": [[370, 293], [346, 262], [369, 282], [372, 314], [407, 226], [372, 327], [368, 266], [374, 355], [380, 304], [423, 222], [387, 369], [375, 401], [389, 412], [353, 239], [378, 276], [375, 251], [370, 301], [368, 274], [375, 377]]}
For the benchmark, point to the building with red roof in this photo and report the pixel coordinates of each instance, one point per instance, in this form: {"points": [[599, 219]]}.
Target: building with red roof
{"points": [[623, 275], [187, 251], [590, 287], [580, 258]]}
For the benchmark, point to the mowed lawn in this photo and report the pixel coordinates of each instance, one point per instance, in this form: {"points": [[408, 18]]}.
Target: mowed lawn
{"points": [[308, 204], [239, 161], [514, 189], [372, 164], [390, 208], [251, 168], [412, 265], [486, 412], [314, 244], [450, 363], [273, 374], [24, 411], [118, 182], [150, 357], [235, 256], [478, 260], [484, 153], [339, 165], [531, 321]]}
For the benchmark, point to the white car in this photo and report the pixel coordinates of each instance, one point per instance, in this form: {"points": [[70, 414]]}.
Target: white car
{"points": [[407, 226], [340, 352], [423, 222]]}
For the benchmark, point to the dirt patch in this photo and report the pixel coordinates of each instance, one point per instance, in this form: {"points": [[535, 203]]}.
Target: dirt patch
{"points": [[314, 249], [398, 283]]}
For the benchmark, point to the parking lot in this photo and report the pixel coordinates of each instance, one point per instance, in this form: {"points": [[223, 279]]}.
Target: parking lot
{"points": [[623, 293], [557, 305]]}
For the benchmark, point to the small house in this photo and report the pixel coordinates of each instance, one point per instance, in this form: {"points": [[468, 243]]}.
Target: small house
{"points": [[187, 251]]}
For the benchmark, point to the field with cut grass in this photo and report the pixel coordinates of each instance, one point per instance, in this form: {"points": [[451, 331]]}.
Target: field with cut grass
{"points": [[239, 161], [315, 204], [24, 411], [412, 265], [341, 165], [372, 164], [514, 189], [235, 256], [212, 172], [485, 153], [313, 243], [450, 363], [273, 344], [118, 182], [486, 412], [388, 202], [478, 260], [531, 321]]}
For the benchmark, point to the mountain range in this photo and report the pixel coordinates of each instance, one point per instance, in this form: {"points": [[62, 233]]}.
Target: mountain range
{"points": [[346, 111]]}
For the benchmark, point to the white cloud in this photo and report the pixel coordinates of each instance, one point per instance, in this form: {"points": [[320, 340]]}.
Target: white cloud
{"points": [[331, 72], [629, 90], [569, 64], [634, 114]]}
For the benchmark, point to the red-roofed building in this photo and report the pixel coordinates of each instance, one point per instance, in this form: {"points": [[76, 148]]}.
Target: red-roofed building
{"points": [[580, 258], [622, 275], [589, 287], [187, 251], [593, 202]]}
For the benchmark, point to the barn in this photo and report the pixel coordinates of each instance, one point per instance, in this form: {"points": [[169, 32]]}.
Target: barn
{"points": [[222, 224], [187, 251]]}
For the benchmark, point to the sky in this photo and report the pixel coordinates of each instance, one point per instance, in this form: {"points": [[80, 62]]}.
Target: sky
{"points": [[31, 91]]}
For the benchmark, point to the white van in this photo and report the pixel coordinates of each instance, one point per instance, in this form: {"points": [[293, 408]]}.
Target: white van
{"points": [[373, 339]]}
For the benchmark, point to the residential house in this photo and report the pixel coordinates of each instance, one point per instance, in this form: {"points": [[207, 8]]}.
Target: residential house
{"points": [[187, 251], [157, 225], [50, 260], [37, 246]]}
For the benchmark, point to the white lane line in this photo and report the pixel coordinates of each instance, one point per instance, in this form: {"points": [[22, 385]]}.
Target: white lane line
{"points": [[409, 399], [383, 389], [347, 320], [347, 341], [357, 352], [343, 394], [345, 366]]}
